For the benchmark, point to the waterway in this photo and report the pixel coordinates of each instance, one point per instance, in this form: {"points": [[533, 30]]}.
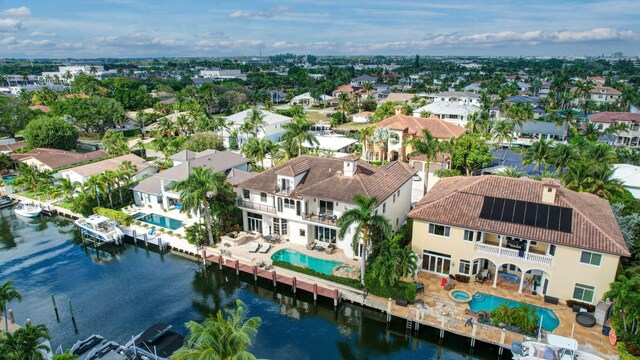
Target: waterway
{"points": [[118, 292]]}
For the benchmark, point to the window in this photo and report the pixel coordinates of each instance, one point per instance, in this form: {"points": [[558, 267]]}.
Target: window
{"points": [[398, 192], [377, 156], [583, 293], [384, 208], [397, 221], [303, 232], [394, 198], [464, 267], [325, 234], [245, 194], [263, 197], [436, 262], [552, 250], [289, 203], [470, 235], [326, 207], [280, 226], [439, 230], [591, 258]]}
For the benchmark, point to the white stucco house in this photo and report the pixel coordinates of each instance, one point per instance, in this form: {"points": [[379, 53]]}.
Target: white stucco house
{"points": [[302, 199], [273, 129], [82, 173], [157, 191], [451, 112]]}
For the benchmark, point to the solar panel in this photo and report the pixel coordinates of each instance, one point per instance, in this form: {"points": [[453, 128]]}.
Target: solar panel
{"points": [[566, 216], [528, 213], [542, 216], [554, 218], [487, 206], [496, 212], [518, 212], [507, 212]]}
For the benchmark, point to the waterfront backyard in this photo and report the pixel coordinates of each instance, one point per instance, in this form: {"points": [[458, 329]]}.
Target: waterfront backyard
{"points": [[118, 292]]}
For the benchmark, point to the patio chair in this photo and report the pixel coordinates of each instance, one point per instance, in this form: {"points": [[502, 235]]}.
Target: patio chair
{"points": [[253, 247], [311, 245], [450, 283], [265, 248], [330, 249], [479, 278]]}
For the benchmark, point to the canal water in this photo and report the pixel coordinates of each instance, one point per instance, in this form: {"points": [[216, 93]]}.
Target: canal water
{"points": [[118, 292]]}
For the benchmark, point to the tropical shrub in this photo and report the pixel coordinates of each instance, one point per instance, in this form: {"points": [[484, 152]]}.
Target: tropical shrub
{"points": [[401, 290], [115, 215], [354, 283], [521, 318]]}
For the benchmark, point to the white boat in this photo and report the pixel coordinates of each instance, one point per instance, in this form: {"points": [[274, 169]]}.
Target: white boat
{"points": [[27, 210], [101, 228], [556, 347]]}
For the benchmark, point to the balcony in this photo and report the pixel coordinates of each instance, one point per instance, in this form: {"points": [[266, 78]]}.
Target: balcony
{"points": [[283, 190], [514, 254], [249, 205], [330, 220]]}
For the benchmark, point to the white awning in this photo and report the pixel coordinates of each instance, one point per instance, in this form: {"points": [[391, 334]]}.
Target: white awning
{"points": [[562, 342]]}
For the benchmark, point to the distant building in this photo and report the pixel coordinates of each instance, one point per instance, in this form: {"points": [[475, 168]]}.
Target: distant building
{"points": [[220, 74], [82, 173], [457, 97], [630, 177], [629, 138], [52, 159], [69, 73], [362, 117], [452, 112], [273, 129], [363, 79]]}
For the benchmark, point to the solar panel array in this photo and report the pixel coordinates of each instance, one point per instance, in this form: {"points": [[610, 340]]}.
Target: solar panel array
{"points": [[527, 213]]}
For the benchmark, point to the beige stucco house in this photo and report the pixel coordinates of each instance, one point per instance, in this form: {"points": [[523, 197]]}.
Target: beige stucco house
{"points": [[535, 235]]}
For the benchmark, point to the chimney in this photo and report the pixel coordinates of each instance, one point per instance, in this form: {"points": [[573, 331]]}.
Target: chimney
{"points": [[349, 165], [398, 109], [549, 189]]}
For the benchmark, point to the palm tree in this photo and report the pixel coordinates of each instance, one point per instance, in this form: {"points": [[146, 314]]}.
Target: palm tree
{"points": [[297, 131], [167, 127], [343, 105], [284, 152], [95, 187], [64, 188], [368, 87], [26, 343], [600, 153], [27, 178], [519, 113], [569, 119], [561, 155], [503, 130], [365, 220], [184, 124], [257, 149], [428, 146], [8, 293], [592, 177], [93, 70], [381, 137], [364, 134], [219, 337], [255, 121], [511, 172], [625, 293], [538, 153], [67, 355], [196, 190], [475, 123]]}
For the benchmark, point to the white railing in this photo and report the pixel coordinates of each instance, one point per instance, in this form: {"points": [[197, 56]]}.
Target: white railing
{"points": [[514, 254]]}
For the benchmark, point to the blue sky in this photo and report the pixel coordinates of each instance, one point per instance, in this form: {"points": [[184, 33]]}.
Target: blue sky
{"points": [[147, 28]]}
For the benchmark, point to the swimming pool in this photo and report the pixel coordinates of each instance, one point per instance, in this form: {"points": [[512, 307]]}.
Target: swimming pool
{"points": [[158, 220], [486, 302], [300, 259], [8, 179]]}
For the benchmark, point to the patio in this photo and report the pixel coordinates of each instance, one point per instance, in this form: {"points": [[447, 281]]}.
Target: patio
{"points": [[438, 304]]}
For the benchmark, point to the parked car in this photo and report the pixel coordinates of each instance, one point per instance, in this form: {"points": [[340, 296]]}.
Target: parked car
{"points": [[416, 177]]}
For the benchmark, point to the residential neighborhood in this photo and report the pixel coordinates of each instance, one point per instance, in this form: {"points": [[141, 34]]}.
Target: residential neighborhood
{"points": [[484, 198]]}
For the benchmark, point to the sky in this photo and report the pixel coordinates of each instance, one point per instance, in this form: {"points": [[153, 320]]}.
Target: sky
{"points": [[177, 28]]}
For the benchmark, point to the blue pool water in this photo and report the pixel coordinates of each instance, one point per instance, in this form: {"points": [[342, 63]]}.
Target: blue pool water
{"points": [[159, 220], [486, 302], [300, 259], [460, 295], [8, 179]]}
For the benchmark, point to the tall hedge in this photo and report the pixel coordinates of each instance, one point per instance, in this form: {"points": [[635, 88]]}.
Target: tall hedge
{"points": [[50, 132]]}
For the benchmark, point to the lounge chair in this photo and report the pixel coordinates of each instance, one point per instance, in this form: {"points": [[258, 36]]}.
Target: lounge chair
{"points": [[479, 278], [253, 247], [330, 249], [311, 245], [450, 283], [152, 231], [265, 248]]}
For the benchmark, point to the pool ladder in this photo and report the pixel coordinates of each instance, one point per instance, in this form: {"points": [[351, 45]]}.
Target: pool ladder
{"points": [[409, 328]]}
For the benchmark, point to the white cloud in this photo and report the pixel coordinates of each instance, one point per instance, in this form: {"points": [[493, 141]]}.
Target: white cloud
{"points": [[260, 14], [10, 25], [8, 40], [19, 11], [43, 34]]}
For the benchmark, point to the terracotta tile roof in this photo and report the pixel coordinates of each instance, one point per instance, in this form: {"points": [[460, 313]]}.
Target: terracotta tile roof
{"points": [[413, 125], [349, 88], [42, 108], [612, 117], [109, 164], [9, 148], [55, 158], [324, 179], [607, 90], [457, 201]]}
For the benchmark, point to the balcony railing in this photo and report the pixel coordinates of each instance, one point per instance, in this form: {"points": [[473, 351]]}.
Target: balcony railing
{"points": [[255, 206], [326, 219], [283, 190], [514, 254]]}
